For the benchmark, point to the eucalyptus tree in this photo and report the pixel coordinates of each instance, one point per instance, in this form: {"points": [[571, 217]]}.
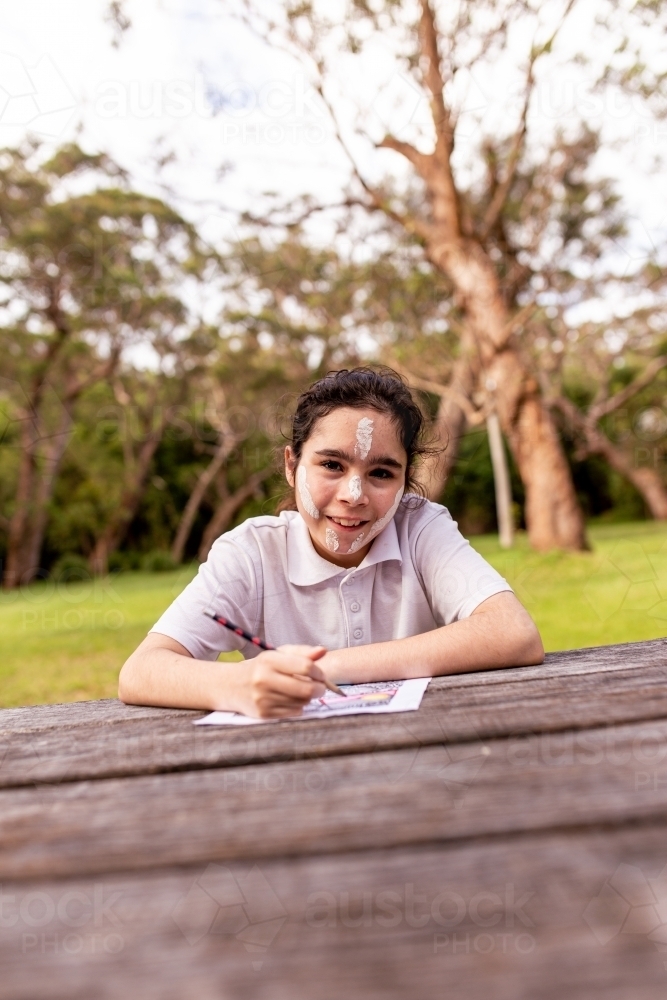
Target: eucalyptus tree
{"points": [[507, 211], [90, 269]]}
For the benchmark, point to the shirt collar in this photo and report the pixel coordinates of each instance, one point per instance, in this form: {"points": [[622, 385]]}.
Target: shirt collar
{"points": [[305, 566]]}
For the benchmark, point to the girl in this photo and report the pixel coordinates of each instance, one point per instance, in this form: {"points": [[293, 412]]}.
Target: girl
{"points": [[371, 581]]}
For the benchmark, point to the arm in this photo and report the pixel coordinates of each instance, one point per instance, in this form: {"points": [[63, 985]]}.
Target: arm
{"points": [[274, 684], [499, 633]]}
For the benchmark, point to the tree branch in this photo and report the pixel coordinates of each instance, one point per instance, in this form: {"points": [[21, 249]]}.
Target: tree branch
{"points": [[499, 198], [473, 415], [411, 224], [441, 181], [420, 161], [619, 398]]}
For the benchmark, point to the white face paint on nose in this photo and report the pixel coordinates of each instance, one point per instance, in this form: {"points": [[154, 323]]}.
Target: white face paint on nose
{"points": [[354, 487], [305, 494]]}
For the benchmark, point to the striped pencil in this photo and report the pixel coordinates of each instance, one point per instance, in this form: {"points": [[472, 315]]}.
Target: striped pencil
{"points": [[263, 645]]}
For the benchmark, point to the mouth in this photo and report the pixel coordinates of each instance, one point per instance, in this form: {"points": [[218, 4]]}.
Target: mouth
{"points": [[346, 523]]}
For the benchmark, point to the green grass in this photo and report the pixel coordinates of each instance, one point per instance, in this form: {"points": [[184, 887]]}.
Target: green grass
{"points": [[67, 642]]}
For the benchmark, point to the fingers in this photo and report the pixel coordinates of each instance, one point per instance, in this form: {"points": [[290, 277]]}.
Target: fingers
{"points": [[300, 660], [291, 676]]}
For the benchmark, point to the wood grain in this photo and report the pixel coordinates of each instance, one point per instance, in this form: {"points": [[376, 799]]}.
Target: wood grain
{"points": [[106, 739], [610, 776], [501, 921]]}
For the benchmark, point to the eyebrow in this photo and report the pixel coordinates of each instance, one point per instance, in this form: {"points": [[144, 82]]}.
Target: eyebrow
{"points": [[380, 460]]}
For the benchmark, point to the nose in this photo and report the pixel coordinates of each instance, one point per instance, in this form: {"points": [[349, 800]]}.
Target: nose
{"points": [[353, 491]]}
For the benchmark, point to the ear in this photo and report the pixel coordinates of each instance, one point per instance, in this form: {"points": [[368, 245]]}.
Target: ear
{"points": [[290, 465]]}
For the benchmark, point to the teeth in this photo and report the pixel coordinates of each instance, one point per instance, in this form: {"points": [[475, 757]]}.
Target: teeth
{"points": [[346, 523]]}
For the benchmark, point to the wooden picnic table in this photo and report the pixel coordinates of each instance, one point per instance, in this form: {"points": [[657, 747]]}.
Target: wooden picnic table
{"points": [[507, 840]]}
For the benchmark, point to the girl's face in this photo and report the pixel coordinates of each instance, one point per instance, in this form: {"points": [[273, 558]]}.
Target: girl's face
{"points": [[349, 481]]}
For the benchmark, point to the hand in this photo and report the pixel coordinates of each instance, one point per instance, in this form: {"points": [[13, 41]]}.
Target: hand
{"points": [[278, 683]]}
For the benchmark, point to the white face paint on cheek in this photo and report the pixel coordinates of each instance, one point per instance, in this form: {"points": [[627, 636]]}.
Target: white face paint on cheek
{"points": [[331, 540], [378, 526], [354, 486], [364, 437], [304, 493]]}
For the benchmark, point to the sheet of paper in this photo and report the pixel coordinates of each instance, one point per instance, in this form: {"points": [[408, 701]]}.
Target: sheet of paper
{"points": [[377, 698]]}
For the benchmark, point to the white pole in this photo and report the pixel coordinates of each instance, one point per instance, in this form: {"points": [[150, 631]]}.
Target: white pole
{"points": [[501, 480]]}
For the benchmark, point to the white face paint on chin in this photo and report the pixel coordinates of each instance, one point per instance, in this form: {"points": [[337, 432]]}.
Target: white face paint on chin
{"points": [[364, 437], [304, 493], [354, 486], [331, 540], [360, 540]]}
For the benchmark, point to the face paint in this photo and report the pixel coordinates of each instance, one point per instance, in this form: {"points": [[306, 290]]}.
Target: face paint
{"points": [[378, 526], [364, 437], [304, 493], [331, 540], [354, 486]]}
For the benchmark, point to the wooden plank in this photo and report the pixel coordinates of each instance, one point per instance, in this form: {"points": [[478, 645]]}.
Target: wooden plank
{"points": [[538, 918], [438, 793], [128, 741], [594, 659]]}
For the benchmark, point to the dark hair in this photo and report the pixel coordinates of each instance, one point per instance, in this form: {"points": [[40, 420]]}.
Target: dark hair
{"points": [[381, 389]]}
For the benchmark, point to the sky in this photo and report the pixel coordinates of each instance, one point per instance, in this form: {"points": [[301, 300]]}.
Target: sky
{"points": [[242, 118], [186, 79]]}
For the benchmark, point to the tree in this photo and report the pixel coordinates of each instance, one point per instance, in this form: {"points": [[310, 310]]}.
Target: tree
{"points": [[486, 231], [85, 277], [591, 386]]}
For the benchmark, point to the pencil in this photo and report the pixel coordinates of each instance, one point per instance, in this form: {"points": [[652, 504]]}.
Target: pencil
{"points": [[263, 645]]}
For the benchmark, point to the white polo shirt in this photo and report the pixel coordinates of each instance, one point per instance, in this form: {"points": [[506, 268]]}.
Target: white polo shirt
{"points": [[420, 573]]}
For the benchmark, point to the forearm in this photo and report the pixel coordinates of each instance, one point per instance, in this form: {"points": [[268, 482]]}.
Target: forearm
{"points": [[169, 679], [495, 638]]}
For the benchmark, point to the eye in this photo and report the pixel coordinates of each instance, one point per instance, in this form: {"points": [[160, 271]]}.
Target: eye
{"points": [[382, 474], [332, 465]]}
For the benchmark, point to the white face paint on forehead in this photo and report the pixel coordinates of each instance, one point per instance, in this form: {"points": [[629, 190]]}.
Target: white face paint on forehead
{"points": [[305, 494], [354, 486], [364, 437]]}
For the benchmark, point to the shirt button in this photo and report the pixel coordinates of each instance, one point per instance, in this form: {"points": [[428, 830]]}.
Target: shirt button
{"points": [[358, 632], [355, 607]]}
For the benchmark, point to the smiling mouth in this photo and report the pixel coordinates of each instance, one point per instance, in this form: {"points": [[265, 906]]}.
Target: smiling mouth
{"points": [[346, 522]]}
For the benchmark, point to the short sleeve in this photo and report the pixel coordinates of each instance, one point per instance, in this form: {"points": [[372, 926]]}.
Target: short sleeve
{"points": [[455, 577], [226, 584]]}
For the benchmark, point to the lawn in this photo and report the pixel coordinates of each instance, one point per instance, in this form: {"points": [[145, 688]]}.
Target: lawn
{"points": [[67, 642]]}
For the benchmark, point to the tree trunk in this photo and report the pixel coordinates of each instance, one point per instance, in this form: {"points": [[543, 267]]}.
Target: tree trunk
{"points": [[222, 452], [646, 481], [115, 531], [17, 525], [36, 527], [553, 515], [228, 508], [450, 426]]}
